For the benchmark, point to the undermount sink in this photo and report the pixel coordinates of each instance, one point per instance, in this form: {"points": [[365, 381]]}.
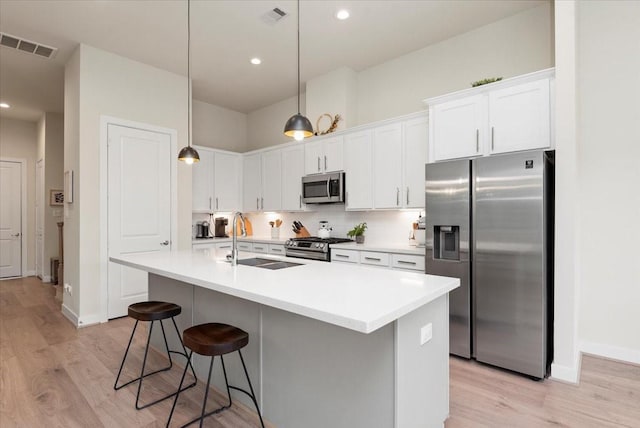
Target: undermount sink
{"points": [[267, 263]]}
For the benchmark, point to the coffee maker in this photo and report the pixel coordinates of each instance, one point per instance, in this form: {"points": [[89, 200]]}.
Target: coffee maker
{"points": [[220, 227]]}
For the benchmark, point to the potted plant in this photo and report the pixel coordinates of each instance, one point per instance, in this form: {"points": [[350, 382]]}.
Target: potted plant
{"points": [[358, 232]]}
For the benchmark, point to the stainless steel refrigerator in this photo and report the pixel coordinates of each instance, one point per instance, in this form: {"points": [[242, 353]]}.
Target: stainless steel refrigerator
{"points": [[489, 222]]}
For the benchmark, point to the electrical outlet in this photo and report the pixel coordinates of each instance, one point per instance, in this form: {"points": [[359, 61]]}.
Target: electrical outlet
{"points": [[68, 289], [426, 333]]}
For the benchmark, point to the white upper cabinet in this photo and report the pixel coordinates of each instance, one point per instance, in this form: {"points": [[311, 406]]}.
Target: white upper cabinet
{"points": [[227, 181], [252, 182], [387, 166], [292, 173], [458, 128], [519, 117], [506, 116], [323, 155], [271, 198], [202, 181], [414, 151], [358, 171]]}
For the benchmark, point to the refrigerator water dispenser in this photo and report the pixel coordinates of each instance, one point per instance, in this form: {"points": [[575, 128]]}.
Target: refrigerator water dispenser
{"points": [[446, 242]]}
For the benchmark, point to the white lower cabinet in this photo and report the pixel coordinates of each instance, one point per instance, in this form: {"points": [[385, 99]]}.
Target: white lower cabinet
{"points": [[245, 246], [276, 249], [260, 247], [374, 258], [399, 261], [407, 262], [345, 256], [224, 245]]}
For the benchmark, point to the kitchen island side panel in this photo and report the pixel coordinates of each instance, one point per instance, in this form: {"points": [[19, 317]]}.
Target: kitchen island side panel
{"points": [[317, 375]]}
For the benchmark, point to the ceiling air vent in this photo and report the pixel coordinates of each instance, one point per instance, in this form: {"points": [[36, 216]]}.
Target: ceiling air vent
{"points": [[27, 46], [274, 15]]}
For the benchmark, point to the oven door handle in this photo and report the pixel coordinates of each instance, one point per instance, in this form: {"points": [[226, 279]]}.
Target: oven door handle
{"points": [[328, 187]]}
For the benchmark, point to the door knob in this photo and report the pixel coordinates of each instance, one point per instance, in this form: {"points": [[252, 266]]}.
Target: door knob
{"points": [[16, 235], [164, 243]]}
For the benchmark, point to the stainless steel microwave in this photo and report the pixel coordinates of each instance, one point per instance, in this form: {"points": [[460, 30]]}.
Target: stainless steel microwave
{"points": [[323, 188]]}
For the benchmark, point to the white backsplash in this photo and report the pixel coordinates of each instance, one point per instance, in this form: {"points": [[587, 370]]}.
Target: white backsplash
{"points": [[382, 226]]}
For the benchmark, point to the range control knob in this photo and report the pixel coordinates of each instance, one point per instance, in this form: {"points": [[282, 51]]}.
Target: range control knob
{"points": [[317, 245]]}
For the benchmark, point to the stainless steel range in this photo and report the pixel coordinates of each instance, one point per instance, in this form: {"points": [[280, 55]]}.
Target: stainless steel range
{"points": [[311, 247]]}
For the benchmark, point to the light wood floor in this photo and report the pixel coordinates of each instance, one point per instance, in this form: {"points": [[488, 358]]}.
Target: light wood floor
{"points": [[52, 375]]}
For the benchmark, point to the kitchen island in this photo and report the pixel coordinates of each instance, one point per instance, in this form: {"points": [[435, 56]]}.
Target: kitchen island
{"points": [[330, 344]]}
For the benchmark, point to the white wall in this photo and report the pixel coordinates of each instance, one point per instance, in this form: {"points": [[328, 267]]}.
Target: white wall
{"points": [[19, 139], [266, 125], [147, 95], [219, 127], [516, 45], [608, 51], [333, 93], [53, 179]]}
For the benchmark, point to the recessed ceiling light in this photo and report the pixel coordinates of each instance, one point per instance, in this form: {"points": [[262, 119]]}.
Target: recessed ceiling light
{"points": [[256, 61], [342, 14], [4, 105]]}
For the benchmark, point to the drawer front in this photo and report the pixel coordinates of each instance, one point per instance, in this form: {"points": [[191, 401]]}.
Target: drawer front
{"points": [[375, 259], [406, 261], [224, 246], [203, 246], [276, 249], [345, 256], [244, 246], [260, 248]]}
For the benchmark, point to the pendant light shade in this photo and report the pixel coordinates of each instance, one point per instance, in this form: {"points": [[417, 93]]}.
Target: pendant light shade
{"points": [[298, 126], [188, 154]]}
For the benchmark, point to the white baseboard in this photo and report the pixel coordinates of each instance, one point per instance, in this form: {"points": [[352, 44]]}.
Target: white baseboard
{"points": [[46, 278], [29, 273], [88, 320], [612, 352], [565, 373], [70, 315]]}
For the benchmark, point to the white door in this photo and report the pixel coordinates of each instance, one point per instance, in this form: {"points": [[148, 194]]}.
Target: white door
{"points": [[313, 154], [458, 128], [139, 199], [202, 181], [271, 181], [519, 117], [292, 172], [415, 137], [227, 181], [357, 162], [387, 166], [10, 219], [333, 154], [40, 220], [252, 181]]}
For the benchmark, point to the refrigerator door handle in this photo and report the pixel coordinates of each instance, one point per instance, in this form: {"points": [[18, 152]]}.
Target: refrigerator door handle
{"points": [[492, 139], [477, 140]]}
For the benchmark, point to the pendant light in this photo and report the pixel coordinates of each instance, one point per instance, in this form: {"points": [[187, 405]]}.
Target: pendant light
{"points": [[188, 154], [298, 126]]}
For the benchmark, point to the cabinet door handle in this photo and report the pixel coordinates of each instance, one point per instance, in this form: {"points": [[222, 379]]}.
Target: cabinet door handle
{"points": [[407, 195], [261, 203], [300, 202], [342, 256], [325, 163], [397, 196], [375, 259], [404, 262], [216, 202], [257, 203], [224, 246], [318, 163], [492, 139], [477, 140]]}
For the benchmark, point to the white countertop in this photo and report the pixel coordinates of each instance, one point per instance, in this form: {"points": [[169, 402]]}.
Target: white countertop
{"points": [[350, 296], [262, 239], [383, 247]]}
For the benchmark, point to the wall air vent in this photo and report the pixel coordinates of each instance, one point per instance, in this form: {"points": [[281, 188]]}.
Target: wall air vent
{"points": [[28, 46], [274, 15]]}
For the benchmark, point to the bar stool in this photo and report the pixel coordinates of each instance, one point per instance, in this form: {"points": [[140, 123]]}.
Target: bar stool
{"points": [[214, 339], [154, 311]]}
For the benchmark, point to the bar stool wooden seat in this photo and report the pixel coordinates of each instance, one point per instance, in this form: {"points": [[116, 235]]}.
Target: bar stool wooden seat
{"points": [[214, 339], [154, 311]]}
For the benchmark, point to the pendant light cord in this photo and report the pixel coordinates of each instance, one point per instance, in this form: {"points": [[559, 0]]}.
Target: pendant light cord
{"points": [[298, 56], [189, 71]]}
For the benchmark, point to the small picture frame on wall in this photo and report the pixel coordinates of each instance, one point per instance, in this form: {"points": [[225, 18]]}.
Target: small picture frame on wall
{"points": [[68, 186], [56, 197]]}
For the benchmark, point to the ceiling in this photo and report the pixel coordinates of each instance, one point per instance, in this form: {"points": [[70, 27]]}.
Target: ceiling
{"points": [[225, 35]]}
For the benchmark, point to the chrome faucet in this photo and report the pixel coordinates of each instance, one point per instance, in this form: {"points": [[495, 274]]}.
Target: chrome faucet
{"points": [[233, 257]]}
